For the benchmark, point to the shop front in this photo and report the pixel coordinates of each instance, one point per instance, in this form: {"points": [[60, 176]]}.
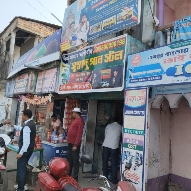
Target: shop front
{"points": [[95, 74], [33, 81], [157, 97]]}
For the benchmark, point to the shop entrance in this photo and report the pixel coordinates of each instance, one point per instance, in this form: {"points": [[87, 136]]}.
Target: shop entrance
{"points": [[106, 111], [169, 140]]}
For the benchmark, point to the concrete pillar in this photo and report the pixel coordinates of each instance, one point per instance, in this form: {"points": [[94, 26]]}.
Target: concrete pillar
{"points": [[2, 52], [161, 12], [11, 50], [36, 41]]}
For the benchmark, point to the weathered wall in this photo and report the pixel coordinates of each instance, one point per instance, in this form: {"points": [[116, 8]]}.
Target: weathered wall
{"points": [[181, 140], [170, 140], [148, 27], [35, 27], [28, 45], [182, 9], [17, 50], [175, 10], [159, 148], [169, 14]]}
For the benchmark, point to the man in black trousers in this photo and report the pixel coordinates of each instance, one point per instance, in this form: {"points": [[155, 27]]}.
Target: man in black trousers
{"points": [[26, 146]]}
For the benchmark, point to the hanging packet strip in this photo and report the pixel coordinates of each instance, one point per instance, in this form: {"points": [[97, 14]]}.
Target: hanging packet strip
{"points": [[182, 29]]}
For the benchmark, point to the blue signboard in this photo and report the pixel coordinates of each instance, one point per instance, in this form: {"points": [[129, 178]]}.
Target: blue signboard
{"points": [[161, 66], [46, 51], [86, 20], [182, 29]]}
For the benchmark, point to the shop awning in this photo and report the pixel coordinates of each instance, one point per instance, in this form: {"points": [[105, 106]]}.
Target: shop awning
{"points": [[46, 51]]}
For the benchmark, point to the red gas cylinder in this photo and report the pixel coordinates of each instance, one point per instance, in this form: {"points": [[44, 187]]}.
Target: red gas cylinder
{"points": [[59, 167]]}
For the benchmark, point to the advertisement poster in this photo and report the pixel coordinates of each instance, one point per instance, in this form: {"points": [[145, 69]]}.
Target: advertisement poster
{"points": [[10, 84], [31, 82], [135, 120], [182, 29], [46, 51], [39, 82], [21, 83], [46, 81], [161, 66], [97, 68], [49, 80], [86, 20]]}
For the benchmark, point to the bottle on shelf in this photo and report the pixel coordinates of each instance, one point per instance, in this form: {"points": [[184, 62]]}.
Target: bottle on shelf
{"points": [[60, 138], [49, 136], [52, 136]]}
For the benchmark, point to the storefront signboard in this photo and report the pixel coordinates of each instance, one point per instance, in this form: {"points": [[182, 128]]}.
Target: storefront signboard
{"points": [[46, 51], [46, 81], [161, 66], [10, 84], [49, 80], [21, 83], [31, 82], [97, 68], [39, 82], [134, 132], [86, 20]]}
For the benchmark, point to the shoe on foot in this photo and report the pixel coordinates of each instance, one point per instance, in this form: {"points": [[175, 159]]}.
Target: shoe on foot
{"points": [[25, 188]]}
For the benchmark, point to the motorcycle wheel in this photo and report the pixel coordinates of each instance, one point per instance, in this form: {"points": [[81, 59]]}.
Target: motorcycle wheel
{"points": [[3, 180]]}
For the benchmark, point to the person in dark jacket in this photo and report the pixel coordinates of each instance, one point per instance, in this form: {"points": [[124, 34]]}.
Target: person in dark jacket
{"points": [[26, 146]]}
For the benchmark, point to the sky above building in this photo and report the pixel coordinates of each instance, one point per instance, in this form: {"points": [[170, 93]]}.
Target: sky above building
{"points": [[34, 9]]}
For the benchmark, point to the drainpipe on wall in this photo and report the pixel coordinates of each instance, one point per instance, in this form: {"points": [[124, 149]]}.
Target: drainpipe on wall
{"points": [[161, 12]]}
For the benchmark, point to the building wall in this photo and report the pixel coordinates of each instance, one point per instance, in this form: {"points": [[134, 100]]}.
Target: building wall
{"points": [[17, 50], [169, 14], [181, 140], [28, 45], [159, 148], [175, 10], [169, 155], [148, 26]]}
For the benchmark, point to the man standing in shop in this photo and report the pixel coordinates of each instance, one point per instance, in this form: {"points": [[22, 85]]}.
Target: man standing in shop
{"points": [[56, 125], [74, 141], [110, 148], [26, 146]]}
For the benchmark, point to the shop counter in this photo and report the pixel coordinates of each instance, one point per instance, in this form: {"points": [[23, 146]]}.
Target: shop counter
{"points": [[54, 150]]}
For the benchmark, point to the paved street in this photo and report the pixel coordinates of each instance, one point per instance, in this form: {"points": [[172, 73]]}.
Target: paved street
{"points": [[11, 164]]}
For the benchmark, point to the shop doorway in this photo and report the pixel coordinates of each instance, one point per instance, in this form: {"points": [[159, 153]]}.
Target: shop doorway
{"points": [[169, 140], [106, 111]]}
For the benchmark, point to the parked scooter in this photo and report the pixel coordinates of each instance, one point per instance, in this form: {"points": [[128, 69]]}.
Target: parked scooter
{"points": [[56, 178], [122, 185]]}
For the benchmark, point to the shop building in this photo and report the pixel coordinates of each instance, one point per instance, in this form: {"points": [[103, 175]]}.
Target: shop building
{"points": [[160, 82], [16, 39], [32, 81]]}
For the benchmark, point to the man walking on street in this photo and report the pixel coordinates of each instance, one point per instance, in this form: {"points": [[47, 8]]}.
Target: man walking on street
{"points": [[110, 148], [26, 146], [74, 141]]}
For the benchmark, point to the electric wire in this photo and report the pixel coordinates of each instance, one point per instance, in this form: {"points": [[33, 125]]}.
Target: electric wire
{"points": [[61, 22], [37, 11]]}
